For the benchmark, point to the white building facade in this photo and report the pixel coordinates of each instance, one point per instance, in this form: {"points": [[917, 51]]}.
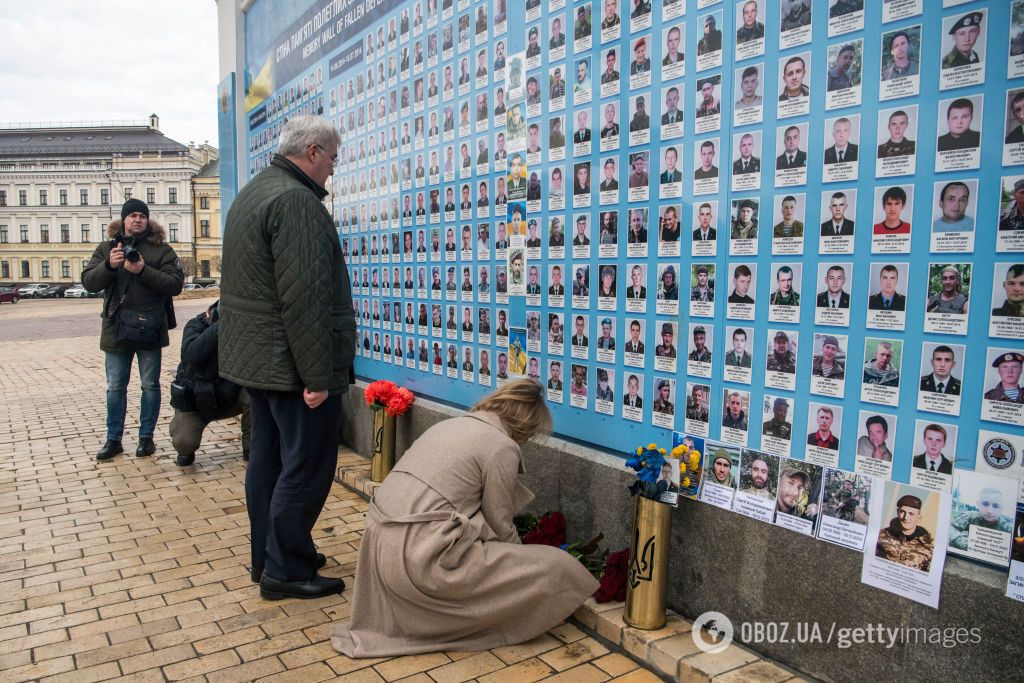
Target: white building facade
{"points": [[60, 185]]}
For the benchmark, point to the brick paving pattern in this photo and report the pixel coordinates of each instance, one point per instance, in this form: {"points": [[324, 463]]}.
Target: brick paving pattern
{"points": [[137, 569]]}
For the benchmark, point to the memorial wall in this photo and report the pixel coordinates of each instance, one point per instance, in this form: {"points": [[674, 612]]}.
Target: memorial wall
{"points": [[792, 231]]}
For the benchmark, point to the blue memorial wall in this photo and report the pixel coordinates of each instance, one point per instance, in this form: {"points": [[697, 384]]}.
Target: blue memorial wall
{"points": [[871, 147]]}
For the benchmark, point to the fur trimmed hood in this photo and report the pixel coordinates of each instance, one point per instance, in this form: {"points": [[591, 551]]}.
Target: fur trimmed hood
{"points": [[157, 234]]}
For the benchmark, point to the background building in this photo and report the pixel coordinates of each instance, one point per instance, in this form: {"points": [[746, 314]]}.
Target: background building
{"points": [[62, 183], [209, 238]]}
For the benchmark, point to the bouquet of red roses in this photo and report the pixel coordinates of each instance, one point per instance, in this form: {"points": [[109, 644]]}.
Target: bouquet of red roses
{"points": [[389, 397], [550, 530]]}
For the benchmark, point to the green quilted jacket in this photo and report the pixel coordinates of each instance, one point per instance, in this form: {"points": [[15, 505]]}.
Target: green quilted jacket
{"points": [[286, 317]]}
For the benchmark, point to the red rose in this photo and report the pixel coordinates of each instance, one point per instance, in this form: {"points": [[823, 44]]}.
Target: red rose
{"points": [[396, 406], [378, 392], [613, 580], [550, 530]]}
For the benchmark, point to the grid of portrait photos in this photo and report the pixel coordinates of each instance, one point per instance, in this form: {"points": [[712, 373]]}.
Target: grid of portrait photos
{"points": [[903, 531], [729, 218]]}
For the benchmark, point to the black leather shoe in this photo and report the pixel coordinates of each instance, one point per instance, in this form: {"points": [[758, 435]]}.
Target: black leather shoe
{"points": [[146, 447], [185, 459], [109, 450], [256, 573], [317, 587]]}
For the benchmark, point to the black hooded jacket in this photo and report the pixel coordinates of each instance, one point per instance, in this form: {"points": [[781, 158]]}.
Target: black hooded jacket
{"points": [[198, 366]]}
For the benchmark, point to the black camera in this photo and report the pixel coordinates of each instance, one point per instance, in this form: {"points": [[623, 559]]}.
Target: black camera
{"points": [[131, 254]]}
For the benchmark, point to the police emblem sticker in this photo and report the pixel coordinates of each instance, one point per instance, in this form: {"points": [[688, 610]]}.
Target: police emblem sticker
{"points": [[999, 453]]}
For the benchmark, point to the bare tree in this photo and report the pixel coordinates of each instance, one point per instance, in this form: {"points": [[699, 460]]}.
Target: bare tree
{"points": [[188, 266]]}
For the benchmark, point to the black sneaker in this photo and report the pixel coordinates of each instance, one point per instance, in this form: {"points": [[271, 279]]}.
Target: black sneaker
{"points": [[185, 459], [109, 450], [146, 447]]}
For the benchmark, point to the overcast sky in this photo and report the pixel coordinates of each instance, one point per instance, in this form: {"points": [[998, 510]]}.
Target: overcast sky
{"points": [[67, 60]]}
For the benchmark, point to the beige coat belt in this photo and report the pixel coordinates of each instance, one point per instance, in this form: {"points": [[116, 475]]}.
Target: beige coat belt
{"points": [[459, 531]]}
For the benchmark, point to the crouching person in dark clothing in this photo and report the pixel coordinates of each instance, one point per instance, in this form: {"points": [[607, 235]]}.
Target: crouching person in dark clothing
{"points": [[199, 395]]}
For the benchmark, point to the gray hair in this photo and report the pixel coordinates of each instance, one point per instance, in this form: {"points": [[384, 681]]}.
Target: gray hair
{"points": [[301, 132]]}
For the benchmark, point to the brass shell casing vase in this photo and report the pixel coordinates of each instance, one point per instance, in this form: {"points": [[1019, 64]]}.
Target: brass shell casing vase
{"points": [[647, 578], [383, 445]]}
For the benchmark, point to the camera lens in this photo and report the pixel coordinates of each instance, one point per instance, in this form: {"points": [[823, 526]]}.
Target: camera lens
{"points": [[132, 255]]}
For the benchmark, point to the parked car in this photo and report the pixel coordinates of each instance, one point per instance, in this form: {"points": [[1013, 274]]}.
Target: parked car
{"points": [[9, 294], [53, 292], [32, 291], [213, 286], [190, 287], [75, 291]]}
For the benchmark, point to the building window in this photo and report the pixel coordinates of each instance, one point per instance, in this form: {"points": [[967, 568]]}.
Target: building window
{"points": [[25, 272], [24, 234], [3, 234], [83, 197], [150, 195], [127, 194], [172, 195], [85, 233], [5, 270], [46, 269], [104, 197], [22, 197], [204, 267], [204, 202], [44, 234], [3, 197], [174, 231], [65, 233], [204, 227], [42, 197], [65, 268], [63, 197]]}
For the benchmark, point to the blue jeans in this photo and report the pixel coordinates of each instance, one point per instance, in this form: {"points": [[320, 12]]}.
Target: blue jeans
{"points": [[119, 372]]}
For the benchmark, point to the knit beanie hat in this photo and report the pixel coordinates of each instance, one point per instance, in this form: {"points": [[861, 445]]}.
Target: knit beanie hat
{"points": [[134, 205]]}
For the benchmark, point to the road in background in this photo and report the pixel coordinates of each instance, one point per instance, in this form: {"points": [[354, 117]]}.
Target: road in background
{"points": [[39, 319]]}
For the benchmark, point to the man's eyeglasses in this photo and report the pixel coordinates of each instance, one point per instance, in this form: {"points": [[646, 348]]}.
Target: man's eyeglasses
{"points": [[334, 159]]}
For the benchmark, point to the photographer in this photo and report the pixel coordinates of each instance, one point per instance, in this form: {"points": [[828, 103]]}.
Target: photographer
{"points": [[138, 273], [198, 394]]}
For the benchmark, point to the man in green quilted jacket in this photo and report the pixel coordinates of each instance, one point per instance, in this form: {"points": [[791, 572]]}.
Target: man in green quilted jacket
{"points": [[288, 336]]}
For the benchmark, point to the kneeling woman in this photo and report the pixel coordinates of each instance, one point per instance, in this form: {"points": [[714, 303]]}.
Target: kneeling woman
{"points": [[441, 566]]}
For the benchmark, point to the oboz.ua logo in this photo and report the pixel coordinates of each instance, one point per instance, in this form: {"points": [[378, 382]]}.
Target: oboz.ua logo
{"points": [[712, 632]]}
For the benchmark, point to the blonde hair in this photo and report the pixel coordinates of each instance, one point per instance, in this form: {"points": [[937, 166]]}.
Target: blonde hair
{"points": [[521, 407]]}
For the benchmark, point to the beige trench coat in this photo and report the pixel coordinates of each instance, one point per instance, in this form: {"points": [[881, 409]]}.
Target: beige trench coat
{"points": [[441, 566]]}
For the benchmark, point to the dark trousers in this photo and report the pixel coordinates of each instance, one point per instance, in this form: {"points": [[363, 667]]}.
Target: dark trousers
{"points": [[291, 467]]}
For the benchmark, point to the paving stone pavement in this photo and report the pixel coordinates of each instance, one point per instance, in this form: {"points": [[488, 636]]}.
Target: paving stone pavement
{"points": [[136, 569]]}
